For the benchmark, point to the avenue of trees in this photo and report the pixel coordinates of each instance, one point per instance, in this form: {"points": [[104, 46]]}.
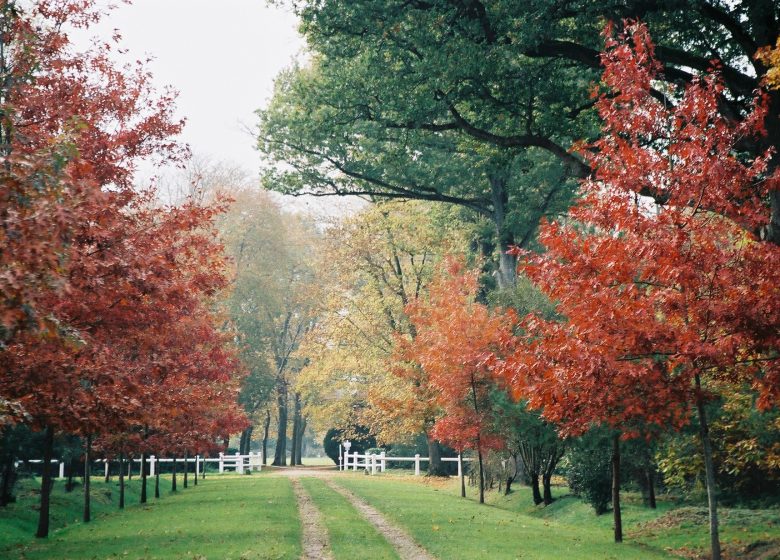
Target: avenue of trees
{"points": [[603, 177], [567, 263]]}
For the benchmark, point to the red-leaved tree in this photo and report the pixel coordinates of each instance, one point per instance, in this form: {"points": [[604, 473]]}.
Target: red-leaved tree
{"points": [[659, 271]]}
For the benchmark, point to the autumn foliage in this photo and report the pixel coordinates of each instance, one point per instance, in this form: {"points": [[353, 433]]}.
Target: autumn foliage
{"points": [[659, 270], [105, 321]]}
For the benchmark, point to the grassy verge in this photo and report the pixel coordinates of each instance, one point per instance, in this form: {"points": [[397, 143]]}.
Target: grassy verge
{"points": [[351, 536], [238, 517], [451, 527]]}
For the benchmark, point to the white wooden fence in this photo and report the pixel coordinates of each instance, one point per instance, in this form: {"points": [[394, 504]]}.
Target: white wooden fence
{"points": [[374, 462], [237, 463]]}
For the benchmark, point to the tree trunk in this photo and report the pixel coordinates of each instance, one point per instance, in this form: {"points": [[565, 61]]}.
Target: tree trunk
{"points": [[121, 481], [9, 478], [547, 489], [107, 475], [186, 466], [72, 466], [462, 476], [266, 427], [709, 469], [87, 474], [481, 476], [616, 488], [130, 467], [299, 444], [507, 264], [246, 441], [535, 488], [157, 481], [46, 484], [435, 465], [294, 460], [280, 455], [650, 475], [143, 477], [173, 474]]}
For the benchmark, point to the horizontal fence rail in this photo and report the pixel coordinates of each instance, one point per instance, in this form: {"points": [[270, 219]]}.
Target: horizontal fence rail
{"points": [[378, 462], [237, 463]]}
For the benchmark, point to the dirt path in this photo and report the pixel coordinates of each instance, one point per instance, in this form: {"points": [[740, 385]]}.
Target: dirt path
{"points": [[315, 536], [406, 548]]}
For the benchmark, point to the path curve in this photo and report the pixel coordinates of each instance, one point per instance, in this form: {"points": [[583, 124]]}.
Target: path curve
{"points": [[315, 537], [404, 545]]}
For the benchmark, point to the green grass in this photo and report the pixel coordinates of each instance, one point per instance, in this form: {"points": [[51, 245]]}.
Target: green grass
{"points": [[351, 536], [247, 517], [229, 516], [453, 528]]}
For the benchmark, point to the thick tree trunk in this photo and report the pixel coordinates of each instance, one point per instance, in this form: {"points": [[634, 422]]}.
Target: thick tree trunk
{"points": [[507, 264], [143, 477], [121, 481], [616, 488], [709, 469], [173, 474], [266, 428], [294, 460], [435, 464], [299, 443], [87, 475], [280, 455], [46, 484], [535, 488], [547, 489], [186, 467], [246, 441]]}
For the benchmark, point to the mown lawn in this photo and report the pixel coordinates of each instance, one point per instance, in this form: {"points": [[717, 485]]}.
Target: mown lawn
{"points": [[224, 517], [454, 528], [351, 536]]}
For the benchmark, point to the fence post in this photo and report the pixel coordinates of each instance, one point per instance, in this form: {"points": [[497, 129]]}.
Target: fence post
{"points": [[105, 463], [355, 461], [460, 465], [383, 463], [239, 463], [62, 469], [416, 464], [373, 464], [221, 462], [197, 467], [152, 463]]}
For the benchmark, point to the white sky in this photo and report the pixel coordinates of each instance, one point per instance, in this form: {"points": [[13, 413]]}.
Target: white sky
{"points": [[222, 57]]}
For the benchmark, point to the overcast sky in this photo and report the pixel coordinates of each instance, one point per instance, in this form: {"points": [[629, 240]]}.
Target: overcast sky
{"points": [[222, 57]]}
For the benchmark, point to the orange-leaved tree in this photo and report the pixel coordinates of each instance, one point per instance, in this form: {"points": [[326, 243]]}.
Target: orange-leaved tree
{"points": [[456, 342]]}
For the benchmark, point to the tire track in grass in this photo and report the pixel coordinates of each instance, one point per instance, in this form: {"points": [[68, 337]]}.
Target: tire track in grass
{"points": [[351, 535], [315, 542], [404, 545]]}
